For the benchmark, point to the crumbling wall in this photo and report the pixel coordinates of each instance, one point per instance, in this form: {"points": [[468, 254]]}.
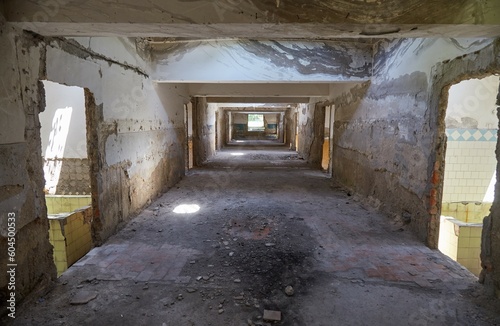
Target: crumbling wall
{"points": [[135, 141], [477, 64], [386, 132], [203, 130], [139, 127], [311, 132], [21, 173]]}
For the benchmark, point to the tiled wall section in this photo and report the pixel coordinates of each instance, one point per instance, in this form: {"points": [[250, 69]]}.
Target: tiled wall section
{"points": [[461, 242], [470, 164], [70, 235], [468, 212], [64, 204]]}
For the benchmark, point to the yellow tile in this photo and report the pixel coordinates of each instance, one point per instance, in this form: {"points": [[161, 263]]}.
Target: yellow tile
{"points": [[463, 242], [59, 245], [55, 225], [476, 232], [61, 267], [475, 242], [60, 256], [462, 253], [475, 252], [465, 232]]}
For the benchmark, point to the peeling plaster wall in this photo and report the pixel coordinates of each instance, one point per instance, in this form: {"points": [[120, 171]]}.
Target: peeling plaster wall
{"points": [[478, 64], [135, 144], [140, 127], [311, 132], [203, 130], [21, 173], [246, 60], [385, 137]]}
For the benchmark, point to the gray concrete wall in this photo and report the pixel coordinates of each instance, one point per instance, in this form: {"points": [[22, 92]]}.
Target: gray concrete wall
{"points": [[136, 138], [386, 131], [203, 130], [21, 173], [477, 64], [139, 146], [311, 131]]}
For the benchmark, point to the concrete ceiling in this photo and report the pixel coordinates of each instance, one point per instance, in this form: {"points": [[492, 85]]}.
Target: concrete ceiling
{"points": [[258, 19], [160, 24]]}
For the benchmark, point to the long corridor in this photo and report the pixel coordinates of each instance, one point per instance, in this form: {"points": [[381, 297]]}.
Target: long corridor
{"points": [[226, 244]]}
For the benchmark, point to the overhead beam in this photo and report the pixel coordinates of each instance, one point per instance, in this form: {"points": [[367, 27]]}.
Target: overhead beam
{"points": [[258, 100], [257, 19], [230, 61], [262, 90]]}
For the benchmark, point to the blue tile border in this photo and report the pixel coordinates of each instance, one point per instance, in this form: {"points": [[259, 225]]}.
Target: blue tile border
{"points": [[472, 134]]}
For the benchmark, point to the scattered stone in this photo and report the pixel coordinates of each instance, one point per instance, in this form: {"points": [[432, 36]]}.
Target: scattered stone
{"points": [[190, 290], [231, 254], [272, 315], [250, 322], [270, 244], [225, 243], [237, 280], [65, 283], [180, 297], [289, 291], [83, 297], [192, 262], [240, 297], [145, 287], [199, 278], [79, 286], [160, 230], [205, 278], [221, 311], [220, 306]]}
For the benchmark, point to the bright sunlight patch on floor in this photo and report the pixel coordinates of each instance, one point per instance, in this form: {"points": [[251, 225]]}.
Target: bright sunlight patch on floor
{"points": [[186, 209]]}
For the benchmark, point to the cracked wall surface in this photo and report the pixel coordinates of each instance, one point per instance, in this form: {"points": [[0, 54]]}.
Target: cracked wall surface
{"points": [[478, 64], [21, 173], [386, 131], [203, 130], [135, 140]]}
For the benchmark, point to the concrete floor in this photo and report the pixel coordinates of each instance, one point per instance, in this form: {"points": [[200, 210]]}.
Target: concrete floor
{"points": [[257, 231]]}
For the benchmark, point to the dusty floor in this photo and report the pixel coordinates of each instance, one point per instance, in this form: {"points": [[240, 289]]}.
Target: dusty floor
{"points": [[257, 231]]}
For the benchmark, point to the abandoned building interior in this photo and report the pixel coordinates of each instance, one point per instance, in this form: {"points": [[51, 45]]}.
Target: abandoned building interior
{"points": [[352, 145]]}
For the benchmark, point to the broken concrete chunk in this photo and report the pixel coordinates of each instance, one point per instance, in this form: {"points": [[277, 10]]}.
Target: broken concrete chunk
{"points": [[289, 291], [237, 280], [272, 315], [83, 297]]}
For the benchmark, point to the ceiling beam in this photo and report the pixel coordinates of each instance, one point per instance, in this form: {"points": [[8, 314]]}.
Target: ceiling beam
{"points": [[267, 90], [250, 100], [257, 19]]}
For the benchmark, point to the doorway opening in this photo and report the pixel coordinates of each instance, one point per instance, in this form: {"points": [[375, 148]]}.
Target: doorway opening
{"points": [[326, 162], [67, 171], [470, 171], [188, 121]]}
